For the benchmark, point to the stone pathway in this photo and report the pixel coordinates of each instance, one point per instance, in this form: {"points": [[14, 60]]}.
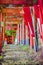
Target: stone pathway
{"points": [[13, 54]]}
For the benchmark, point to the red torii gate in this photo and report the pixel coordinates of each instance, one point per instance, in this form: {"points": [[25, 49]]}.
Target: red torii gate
{"points": [[19, 2], [12, 2]]}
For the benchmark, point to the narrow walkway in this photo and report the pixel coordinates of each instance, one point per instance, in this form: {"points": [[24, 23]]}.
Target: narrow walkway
{"points": [[14, 54]]}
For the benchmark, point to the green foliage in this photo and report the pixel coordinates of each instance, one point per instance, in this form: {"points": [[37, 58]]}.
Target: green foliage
{"points": [[1, 57], [8, 32], [4, 46], [25, 47]]}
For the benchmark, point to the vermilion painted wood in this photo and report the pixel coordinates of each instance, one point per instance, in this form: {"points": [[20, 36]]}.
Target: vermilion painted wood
{"points": [[28, 18], [20, 2]]}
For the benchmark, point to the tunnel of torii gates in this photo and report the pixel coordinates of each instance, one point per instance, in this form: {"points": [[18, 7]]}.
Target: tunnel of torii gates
{"points": [[22, 25]]}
